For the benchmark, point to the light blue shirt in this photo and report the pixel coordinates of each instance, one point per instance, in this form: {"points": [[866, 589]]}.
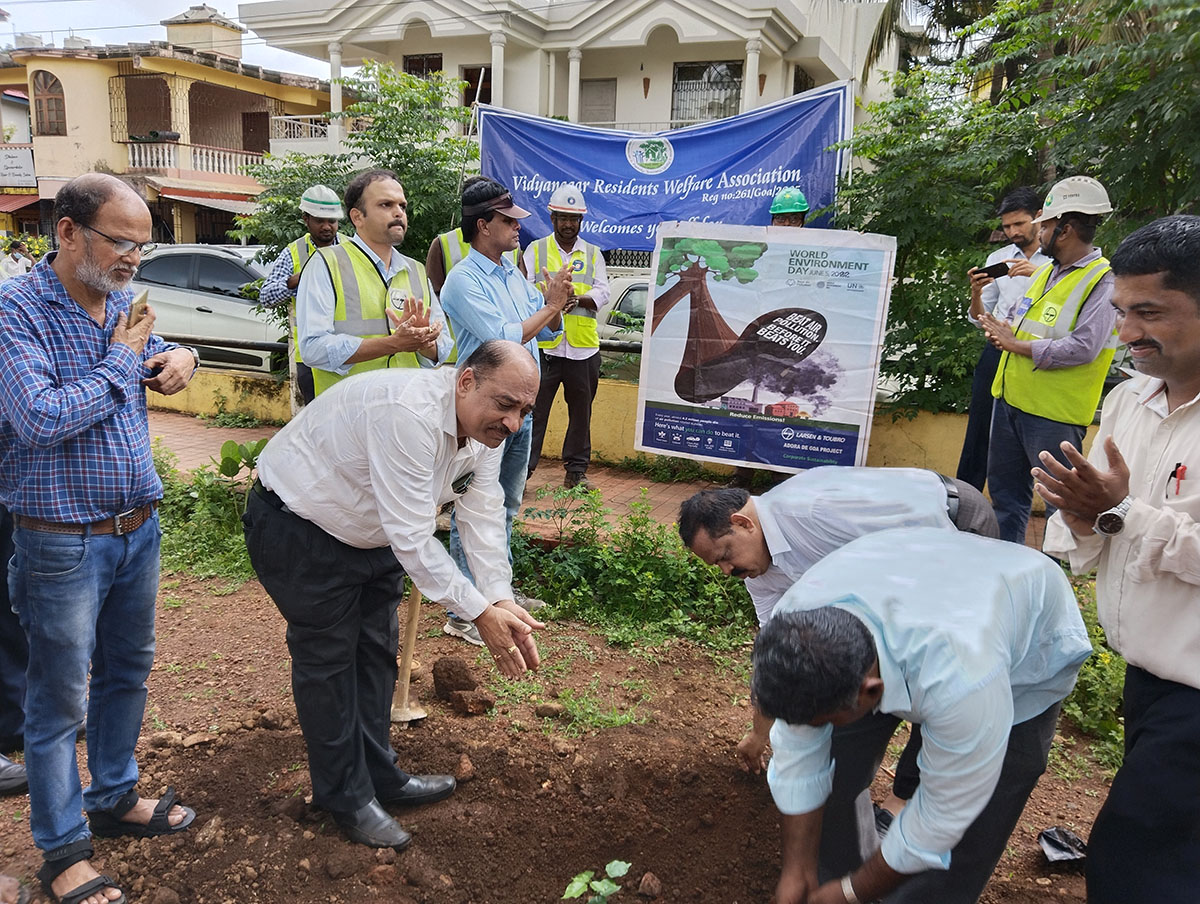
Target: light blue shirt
{"points": [[973, 636], [820, 510], [485, 300], [320, 346]]}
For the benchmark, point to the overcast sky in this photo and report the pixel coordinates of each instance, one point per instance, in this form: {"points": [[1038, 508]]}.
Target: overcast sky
{"points": [[124, 21]]}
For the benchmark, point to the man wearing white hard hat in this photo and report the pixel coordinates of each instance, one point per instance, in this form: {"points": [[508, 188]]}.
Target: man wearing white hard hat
{"points": [[1056, 347], [321, 210], [572, 359]]}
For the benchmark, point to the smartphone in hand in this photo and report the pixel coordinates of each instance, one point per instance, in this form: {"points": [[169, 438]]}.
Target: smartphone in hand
{"points": [[137, 308], [995, 271]]}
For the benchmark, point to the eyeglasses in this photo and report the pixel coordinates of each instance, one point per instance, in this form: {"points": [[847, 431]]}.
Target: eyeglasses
{"points": [[123, 246]]}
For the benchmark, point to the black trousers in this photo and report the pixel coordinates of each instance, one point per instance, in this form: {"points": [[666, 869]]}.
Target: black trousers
{"points": [[858, 750], [578, 380], [1145, 844], [972, 463], [340, 606], [14, 650]]}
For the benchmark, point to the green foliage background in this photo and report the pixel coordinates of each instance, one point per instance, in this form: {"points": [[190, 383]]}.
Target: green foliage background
{"points": [[1038, 92]]}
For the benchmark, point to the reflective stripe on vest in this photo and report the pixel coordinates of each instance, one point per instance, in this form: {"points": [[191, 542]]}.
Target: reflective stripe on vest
{"points": [[579, 327], [1068, 395], [300, 250], [360, 301], [455, 248]]}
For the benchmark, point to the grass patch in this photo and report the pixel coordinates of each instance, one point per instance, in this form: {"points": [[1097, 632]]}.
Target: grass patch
{"points": [[588, 714]]}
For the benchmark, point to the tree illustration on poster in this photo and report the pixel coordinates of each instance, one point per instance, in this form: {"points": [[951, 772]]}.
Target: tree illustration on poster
{"points": [[767, 353]]}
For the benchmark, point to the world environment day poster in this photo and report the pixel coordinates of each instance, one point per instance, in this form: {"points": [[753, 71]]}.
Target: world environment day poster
{"points": [[762, 344]]}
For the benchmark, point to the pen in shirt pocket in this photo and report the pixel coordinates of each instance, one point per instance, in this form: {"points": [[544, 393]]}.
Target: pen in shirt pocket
{"points": [[1177, 475]]}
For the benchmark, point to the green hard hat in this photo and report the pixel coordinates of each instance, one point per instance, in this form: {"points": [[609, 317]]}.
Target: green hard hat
{"points": [[790, 200]]}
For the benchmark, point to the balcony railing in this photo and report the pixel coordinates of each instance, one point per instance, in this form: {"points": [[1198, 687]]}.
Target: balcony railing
{"points": [[294, 128], [157, 155], [644, 126]]}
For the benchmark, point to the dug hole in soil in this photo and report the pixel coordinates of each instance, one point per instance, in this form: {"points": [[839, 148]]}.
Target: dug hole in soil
{"points": [[537, 801]]}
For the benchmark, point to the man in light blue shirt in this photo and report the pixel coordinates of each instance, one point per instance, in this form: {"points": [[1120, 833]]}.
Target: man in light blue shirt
{"points": [[487, 297], [977, 640]]}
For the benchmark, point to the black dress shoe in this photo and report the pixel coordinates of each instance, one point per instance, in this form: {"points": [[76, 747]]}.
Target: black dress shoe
{"points": [[421, 789], [12, 777], [371, 825], [11, 744]]}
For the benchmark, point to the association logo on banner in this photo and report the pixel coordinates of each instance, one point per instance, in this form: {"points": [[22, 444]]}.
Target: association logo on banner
{"points": [[649, 155]]}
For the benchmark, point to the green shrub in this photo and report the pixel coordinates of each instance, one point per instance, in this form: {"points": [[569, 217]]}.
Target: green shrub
{"points": [[1095, 706], [635, 580]]}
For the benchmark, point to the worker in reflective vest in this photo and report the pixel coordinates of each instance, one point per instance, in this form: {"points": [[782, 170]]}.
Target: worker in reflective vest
{"points": [[321, 209], [362, 305], [571, 360], [1056, 347]]}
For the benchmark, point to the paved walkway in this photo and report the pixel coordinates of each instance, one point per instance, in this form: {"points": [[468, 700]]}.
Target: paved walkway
{"points": [[196, 443]]}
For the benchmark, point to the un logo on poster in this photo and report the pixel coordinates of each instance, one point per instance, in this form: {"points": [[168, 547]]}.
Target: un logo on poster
{"points": [[649, 155]]}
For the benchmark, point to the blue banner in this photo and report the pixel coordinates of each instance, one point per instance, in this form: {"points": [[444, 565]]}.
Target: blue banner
{"points": [[725, 171]]}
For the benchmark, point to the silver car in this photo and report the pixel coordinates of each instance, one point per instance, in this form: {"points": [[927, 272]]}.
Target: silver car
{"points": [[198, 292]]}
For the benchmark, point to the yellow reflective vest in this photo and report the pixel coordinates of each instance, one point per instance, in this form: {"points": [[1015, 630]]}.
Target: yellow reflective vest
{"points": [[579, 326], [1068, 395], [361, 301], [300, 250]]}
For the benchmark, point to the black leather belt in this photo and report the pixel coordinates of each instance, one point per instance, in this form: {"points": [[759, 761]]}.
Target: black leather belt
{"points": [[951, 497]]}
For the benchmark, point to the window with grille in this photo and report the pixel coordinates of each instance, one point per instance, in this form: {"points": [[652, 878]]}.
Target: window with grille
{"points": [[706, 91], [422, 65], [50, 107]]}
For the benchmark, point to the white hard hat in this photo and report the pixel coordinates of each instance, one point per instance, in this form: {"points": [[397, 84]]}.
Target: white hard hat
{"points": [[567, 199], [1075, 194], [323, 202]]}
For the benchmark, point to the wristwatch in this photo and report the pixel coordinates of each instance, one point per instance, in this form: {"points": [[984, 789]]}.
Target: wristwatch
{"points": [[1112, 522], [195, 357]]}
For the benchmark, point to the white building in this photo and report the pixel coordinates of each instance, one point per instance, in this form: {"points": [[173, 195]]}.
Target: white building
{"points": [[634, 64]]}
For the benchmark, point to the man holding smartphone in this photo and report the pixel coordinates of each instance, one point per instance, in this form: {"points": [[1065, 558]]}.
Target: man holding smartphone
{"points": [[997, 292]]}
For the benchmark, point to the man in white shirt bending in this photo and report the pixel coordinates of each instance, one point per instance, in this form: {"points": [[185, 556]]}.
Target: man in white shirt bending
{"points": [[344, 507]]}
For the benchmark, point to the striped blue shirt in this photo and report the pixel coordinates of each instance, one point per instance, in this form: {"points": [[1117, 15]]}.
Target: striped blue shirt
{"points": [[74, 437]]}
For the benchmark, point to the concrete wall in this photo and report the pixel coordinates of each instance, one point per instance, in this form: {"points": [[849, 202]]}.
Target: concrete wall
{"points": [[260, 397]]}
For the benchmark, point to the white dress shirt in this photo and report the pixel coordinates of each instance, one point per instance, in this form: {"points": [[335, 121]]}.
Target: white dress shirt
{"points": [[973, 636], [371, 461], [1148, 576], [820, 510]]}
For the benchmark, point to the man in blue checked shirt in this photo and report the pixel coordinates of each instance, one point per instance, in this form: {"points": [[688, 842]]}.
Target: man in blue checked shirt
{"points": [[978, 641], [79, 481]]}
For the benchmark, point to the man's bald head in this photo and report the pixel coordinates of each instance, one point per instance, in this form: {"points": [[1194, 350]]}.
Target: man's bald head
{"points": [[82, 197], [497, 386]]}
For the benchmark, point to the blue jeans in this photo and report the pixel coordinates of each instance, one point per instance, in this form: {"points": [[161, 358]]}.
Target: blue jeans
{"points": [[1017, 438], [514, 465], [83, 599]]}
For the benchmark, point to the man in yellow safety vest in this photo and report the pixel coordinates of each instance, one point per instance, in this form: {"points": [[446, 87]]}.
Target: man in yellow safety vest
{"points": [[362, 305], [572, 359], [321, 210], [1056, 346]]}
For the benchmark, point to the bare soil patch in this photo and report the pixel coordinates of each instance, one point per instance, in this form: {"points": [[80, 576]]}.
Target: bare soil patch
{"points": [[546, 799]]}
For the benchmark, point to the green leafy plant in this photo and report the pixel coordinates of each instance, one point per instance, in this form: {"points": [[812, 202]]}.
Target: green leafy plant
{"points": [[634, 579], [602, 888], [1096, 703]]}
